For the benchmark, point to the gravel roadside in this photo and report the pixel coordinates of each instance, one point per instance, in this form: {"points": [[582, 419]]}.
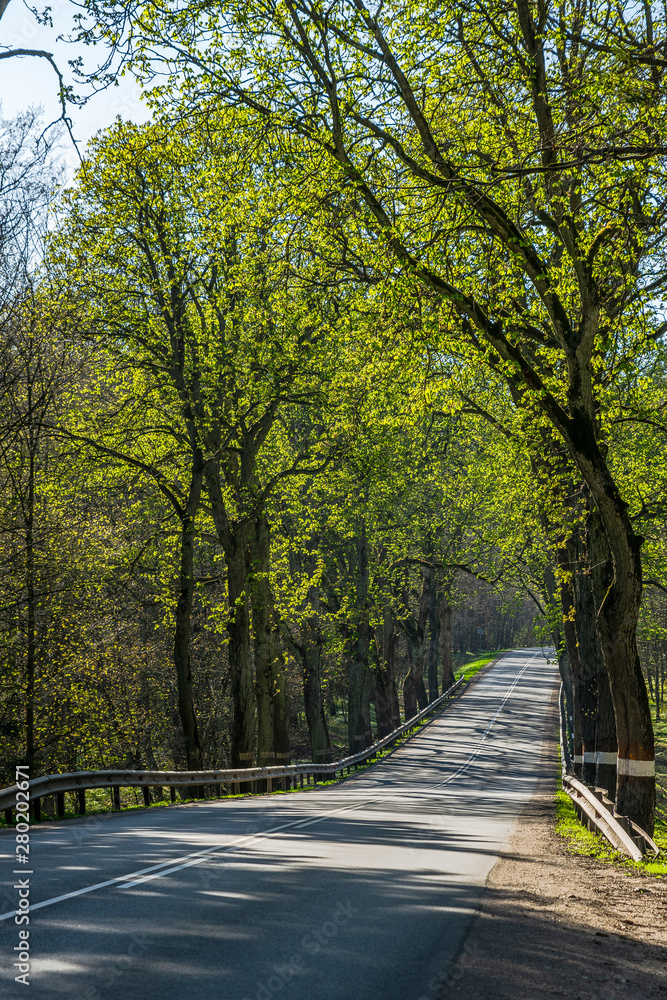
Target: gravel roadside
{"points": [[555, 924]]}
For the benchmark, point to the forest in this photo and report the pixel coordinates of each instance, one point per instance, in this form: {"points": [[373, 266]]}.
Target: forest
{"points": [[346, 365]]}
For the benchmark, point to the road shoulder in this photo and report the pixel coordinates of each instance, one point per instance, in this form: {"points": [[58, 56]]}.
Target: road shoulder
{"points": [[554, 924]]}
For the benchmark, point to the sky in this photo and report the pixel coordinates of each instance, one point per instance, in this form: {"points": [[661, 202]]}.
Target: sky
{"points": [[31, 82]]}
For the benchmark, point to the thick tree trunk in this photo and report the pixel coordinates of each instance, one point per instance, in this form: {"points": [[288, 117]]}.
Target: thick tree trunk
{"points": [[599, 741], [182, 630], [359, 694], [414, 691], [433, 640], [359, 676], [261, 631], [445, 636], [410, 687], [618, 588], [270, 678], [238, 631], [233, 540], [385, 692], [318, 731]]}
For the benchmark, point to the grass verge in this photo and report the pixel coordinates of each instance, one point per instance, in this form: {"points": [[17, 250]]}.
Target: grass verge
{"points": [[474, 666]]}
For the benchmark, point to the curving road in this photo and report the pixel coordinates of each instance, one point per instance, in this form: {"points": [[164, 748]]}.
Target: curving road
{"points": [[362, 890]]}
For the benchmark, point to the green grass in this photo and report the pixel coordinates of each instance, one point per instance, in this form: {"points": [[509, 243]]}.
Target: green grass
{"points": [[472, 667]]}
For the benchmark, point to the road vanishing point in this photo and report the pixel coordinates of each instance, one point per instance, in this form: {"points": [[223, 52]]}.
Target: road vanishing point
{"points": [[362, 890]]}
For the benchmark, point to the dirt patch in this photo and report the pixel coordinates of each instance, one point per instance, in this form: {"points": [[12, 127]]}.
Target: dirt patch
{"points": [[555, 924]]}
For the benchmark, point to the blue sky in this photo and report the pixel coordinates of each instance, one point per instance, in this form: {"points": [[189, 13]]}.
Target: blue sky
{"points": [[26, 82]]}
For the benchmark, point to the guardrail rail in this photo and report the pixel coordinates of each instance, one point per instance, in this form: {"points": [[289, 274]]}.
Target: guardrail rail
{"points": [[237, 780], [596, 810]]}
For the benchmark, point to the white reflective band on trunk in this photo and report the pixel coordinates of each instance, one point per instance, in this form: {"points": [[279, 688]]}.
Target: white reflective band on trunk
{"points": [[600, 757], [636, 768], [578, 759]]}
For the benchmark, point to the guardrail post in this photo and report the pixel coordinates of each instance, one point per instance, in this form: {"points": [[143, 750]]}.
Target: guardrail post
{"points": [[37, 809], [60, 804], [116, 798], [624, 824], [172, 793], [147, 794], [9, 816], [82, 801]]}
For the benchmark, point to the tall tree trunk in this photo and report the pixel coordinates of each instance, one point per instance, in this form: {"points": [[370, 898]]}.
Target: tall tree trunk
{"points": [[232, 537], [311, 658], [434, 623], [606, 744], [618, 590], [261, 632], [414, 692], [238, 631], [385, 693], [410, 686], [183, 626], [445, 634], [270, 674], [359, 677], [360, 734]]}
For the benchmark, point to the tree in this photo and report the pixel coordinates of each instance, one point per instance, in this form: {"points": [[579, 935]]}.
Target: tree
{"points": [[186, 273]]}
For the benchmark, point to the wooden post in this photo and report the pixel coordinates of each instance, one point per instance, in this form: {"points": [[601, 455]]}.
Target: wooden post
{"points": [[116, 798], [60, 800], [9, 816], [172, 793], [82, 801], [147, 794]]}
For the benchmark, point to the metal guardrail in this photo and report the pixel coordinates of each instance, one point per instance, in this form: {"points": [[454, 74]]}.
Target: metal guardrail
{"points": [[259, 778], [596, 810]]}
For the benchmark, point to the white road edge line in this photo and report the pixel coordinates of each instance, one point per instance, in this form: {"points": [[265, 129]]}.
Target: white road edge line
{"points": [[188, 860]]}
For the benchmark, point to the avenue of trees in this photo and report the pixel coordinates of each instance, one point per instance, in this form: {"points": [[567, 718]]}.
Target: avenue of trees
{"points": [[359, 337]]}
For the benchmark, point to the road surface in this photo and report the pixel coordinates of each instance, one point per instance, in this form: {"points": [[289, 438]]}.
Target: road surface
{"points": [[363, 890]]}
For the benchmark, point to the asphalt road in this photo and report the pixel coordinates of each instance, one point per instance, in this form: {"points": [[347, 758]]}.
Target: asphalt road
{"points": [[362, 890]]}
